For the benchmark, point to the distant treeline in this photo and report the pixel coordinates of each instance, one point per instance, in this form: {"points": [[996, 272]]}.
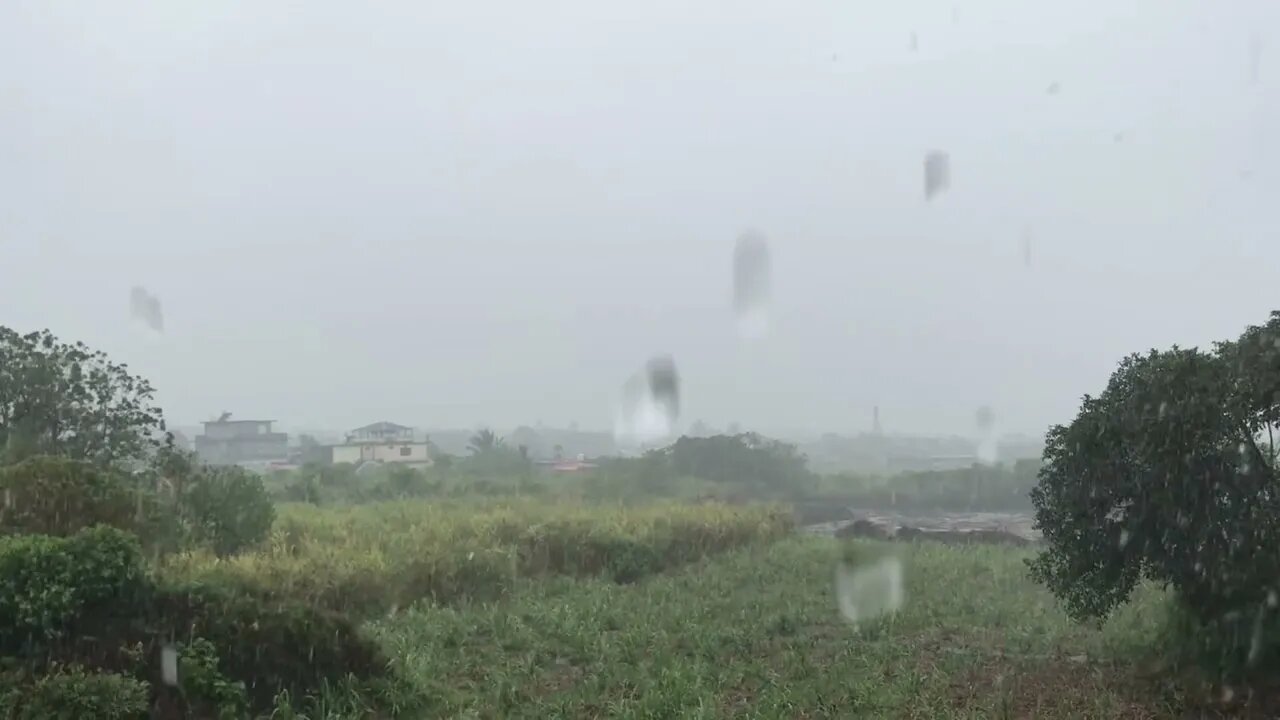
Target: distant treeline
{"points": [[738, 468], [991, 488]]}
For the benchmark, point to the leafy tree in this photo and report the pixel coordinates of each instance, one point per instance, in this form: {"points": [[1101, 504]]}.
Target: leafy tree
{"points": [[228, 508], [747, 460], [442, 461], [66, 399], [484, 441], [1170, 474], [498, 462]]}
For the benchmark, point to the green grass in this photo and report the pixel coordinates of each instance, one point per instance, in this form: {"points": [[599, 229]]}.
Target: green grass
{"points": [[368, 559], [755, 633]]}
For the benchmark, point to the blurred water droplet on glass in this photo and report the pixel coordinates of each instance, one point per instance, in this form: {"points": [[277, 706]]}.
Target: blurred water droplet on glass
{"points": [[752, 284], [989, 451], [985, 418], [869, 590], [169, 665], [1053, 88], [1124, 538], [988, 446], [937, 173], [1228, 694], [650, 405], [145, 307], [1164, 408]]}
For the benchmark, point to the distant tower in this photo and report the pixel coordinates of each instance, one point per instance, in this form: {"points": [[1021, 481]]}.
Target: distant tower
{"points": [[875, 421]]}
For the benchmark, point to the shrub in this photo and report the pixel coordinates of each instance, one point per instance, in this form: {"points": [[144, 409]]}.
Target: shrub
{"points": [[268, 646], [50, 587], [72, 693], [57, 496], [1170, 474], [86, 599], [206, 690], [228, 508]]}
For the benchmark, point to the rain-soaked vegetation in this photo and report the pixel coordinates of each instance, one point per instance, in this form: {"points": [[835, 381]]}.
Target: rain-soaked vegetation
{"points": [[136, 581]]}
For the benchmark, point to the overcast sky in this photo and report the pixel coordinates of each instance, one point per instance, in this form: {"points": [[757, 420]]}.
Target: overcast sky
{"points": [[448, 213]]}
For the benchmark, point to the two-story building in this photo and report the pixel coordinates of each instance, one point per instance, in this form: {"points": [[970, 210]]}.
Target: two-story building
{"points": [[233, 442], [383, 442]]}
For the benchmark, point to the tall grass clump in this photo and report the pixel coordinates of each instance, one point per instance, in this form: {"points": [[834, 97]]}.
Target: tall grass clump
{"points": [[373, 558]]}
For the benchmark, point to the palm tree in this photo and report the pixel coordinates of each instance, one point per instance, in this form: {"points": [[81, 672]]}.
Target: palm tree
{"points": [[484, 441]]}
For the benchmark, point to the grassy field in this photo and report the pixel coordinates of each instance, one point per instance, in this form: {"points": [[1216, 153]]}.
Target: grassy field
{"points": [[533, 609], [370, 559], [755, 633]]}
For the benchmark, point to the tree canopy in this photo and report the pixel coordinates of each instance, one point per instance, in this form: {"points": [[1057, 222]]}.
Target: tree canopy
{"points": [[69, 400], [1170, 474]]}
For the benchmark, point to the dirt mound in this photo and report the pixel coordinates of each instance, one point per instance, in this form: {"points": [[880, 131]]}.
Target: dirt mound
{"points": [[961, 528]]}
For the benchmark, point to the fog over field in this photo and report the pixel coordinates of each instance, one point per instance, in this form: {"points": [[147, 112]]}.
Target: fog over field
{"points": [[449, 214]]}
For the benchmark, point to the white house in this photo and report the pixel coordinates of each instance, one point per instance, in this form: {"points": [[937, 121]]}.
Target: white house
{"points": [[383, 442]]}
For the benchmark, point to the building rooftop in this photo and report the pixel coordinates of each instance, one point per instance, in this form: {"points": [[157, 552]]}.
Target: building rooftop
{"points": [[382, 427]]}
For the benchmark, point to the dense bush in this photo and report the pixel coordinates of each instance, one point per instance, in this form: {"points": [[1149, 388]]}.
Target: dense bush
{"points": [[51, 587], [228, 508], [58, 496], [207, 691], [87, 599], [72, 693], [265, 645], [747, 460], [1170, 474]]}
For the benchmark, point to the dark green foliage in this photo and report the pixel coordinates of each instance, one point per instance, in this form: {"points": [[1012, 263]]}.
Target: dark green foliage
{"points": [[1170, 474], [65, 399], [228, 508], [205, 689], [406, 482], [269, 645], [87, 599], [746, 465], [988, 488], [627, 560], [59, 496], [746, 459], [72, 693], [302, 488], [52, 588]]}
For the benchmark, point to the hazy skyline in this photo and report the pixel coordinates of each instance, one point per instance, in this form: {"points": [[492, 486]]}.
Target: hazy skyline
{"points": [[449, 214]]}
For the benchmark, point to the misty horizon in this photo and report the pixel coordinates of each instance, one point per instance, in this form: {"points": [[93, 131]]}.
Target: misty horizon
{"points": [[450, 218]]}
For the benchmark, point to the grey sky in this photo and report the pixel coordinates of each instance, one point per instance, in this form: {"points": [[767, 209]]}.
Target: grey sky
{"points": [[447, 213]]}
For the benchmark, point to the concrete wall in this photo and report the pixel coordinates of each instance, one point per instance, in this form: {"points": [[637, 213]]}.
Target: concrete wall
{"points": [[412, 452], [236, 428], [274, 446]]}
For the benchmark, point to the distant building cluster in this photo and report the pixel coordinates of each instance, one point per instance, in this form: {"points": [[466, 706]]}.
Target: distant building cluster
{"points": [[257, 445], [253, 443]]}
